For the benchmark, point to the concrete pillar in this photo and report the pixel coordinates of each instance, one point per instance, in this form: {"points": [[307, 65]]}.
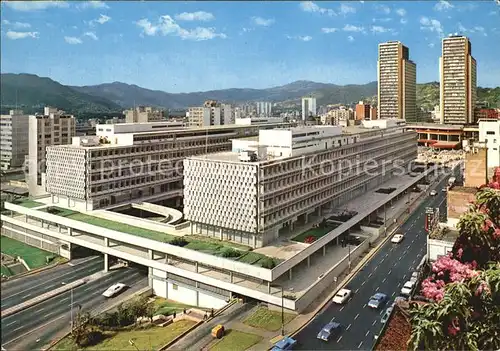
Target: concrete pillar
{"points": [[231, 277], [290, 274], [308, 261], [196, 266], [106, 242], [41, 222], [254, 240], [59, 228], [70, 231], [324, 250], [269, 287], [151, 255], [306, 218], [220, 234], [26, 218], [191, 227], [106, 263]]}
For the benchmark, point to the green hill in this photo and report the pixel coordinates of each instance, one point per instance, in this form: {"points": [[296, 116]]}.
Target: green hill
{"points": [[31, 93]]}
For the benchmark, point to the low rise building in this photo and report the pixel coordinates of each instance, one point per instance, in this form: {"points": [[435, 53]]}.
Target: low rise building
{"points": [[143, 114], [489, 134], [212, 113], [14, 139], [363, 111], [271, 185], [335, 117]]}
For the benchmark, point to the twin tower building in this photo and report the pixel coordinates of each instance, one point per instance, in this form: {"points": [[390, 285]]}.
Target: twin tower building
{"points": [[397, 81]]}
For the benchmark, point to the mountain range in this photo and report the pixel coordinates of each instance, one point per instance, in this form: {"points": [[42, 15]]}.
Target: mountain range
{"points": [[31, 92]]}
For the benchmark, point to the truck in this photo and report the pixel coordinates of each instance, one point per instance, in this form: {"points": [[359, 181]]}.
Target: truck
{"points": [[451, 181]]}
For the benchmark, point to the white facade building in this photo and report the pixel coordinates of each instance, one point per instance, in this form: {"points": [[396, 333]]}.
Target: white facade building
{"points": [[489, 133], [258, 120], [308, 107], [211, 114], [250, 198], [14, 140], [263, 108]]}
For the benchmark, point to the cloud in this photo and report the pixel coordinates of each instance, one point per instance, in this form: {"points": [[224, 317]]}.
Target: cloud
{"points": [[309, 6], [443, 5], [351, 28], [167, 26], [72, 40], [401, 12], [346, 9], [385, 19], [92, 5], [27, 6], [259, 21], [21, 35], [101, 20], [476, 29], [329, 30], [195, 16], [403, 20], [350, 38], [492, 13], [299, 37], [17, 25], [432, 25], [431, 45], [91, 35], [383, 9], [380, 29]]}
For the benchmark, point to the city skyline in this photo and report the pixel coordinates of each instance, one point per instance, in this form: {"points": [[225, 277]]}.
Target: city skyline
{"points": [[236, 45]]}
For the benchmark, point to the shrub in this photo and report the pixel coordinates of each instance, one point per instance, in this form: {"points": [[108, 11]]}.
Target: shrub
{"points": [[230, 252], [310, 239], [268, 263], [179, 241]]}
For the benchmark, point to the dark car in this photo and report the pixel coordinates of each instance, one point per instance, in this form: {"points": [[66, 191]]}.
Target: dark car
{"points": [[377, 300], [328, 330], [287, 343]]}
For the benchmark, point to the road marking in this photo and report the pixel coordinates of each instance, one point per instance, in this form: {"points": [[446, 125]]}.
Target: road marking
{"points": [[41, 309], [66, 298], [363, 283], [348, 327], [413, 262], [386, 255], [381, 311], [400, 258], [404, 276], [332, 319], [383, 280], [381, 261], [377, 288], [364, 305], [31, 331], [25, 296], [390, 270], [356, 316], [356, 291], [393, 293], [359, 346], [48, 314], [17, 329], [338, 340], [342, 308], [12, 323], [368, 332], [375, 321], [369, 275]]}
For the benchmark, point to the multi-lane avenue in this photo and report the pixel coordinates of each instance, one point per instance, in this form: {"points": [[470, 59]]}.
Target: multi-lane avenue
{"points": [[38, 325], [386, 272]]}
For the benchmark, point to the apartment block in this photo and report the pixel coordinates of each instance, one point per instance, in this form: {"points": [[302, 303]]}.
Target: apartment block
{"points": [[373, 113], [54, 127], [212, 113], [476, 167], [363, 111], [458, 81], [263, 108], [143, 114], [14, 140], [308, 107], [133, 162], [273, 183], [397, 81], [335, 117], [489, 134]]}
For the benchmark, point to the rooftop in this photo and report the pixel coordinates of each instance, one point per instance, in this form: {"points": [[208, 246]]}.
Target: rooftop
{"points": [[463, 189]]}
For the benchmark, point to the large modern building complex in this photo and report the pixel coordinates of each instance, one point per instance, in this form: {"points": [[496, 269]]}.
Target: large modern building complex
{"points": [[264, 109], [143, 114], [132, 162], [397, 82], [271, 183], [14, 129], [212, 113], [54, 127], [458, 81]]}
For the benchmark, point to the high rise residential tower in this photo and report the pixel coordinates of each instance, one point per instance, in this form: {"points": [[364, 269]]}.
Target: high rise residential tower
{"points": [[397, 82], [308, 107], [457, 70]]}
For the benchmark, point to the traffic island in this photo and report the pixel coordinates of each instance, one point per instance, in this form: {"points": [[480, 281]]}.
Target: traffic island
{"points": [[235, 340]]}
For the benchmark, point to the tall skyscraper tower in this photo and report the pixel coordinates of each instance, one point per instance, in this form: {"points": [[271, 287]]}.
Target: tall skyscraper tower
{"points": [[308, 107], [457, 69], [397, 82]]}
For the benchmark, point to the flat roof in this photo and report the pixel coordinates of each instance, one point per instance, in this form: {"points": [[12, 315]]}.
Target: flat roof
{"points": [[464, 189]]}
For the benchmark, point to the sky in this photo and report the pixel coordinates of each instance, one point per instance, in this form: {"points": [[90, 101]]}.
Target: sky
{"points": [[203, 45]]}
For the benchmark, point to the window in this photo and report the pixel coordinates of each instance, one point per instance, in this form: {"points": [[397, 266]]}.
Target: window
{"points": [[490, 132], [175, 286]]}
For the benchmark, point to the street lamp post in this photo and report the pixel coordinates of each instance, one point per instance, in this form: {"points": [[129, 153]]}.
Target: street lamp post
{"points": [[385, 221], [282, 312], [132, 343]]}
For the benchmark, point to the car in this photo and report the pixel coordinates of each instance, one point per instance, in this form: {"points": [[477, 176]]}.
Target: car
{"points": [[407, 288], [287, 343], [444, 190], [329, 330], [386, 315], [396, 239], [433, 193], [398, 299], [377, 300], [114, 290], [342, 296], [414, 277]]}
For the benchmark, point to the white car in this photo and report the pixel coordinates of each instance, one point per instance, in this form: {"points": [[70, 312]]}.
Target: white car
{"points": [[444, 190], [396, 239], [433, 193], [414, 277], [114, 289], [342, 296], [407, 288]]}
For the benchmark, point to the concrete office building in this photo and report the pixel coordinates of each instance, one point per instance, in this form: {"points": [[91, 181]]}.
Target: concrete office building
{"points": [[397, 82], [308, 107], [133, 162], [143, 114], [363, 111], [373, 113], [274, 182], [458, 87], [211, 113], [489, 134], [336, 116], [14, 143], [54, 127]]}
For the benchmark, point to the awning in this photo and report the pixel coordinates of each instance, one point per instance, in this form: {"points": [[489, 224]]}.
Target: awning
{"points": [[446, 144]]}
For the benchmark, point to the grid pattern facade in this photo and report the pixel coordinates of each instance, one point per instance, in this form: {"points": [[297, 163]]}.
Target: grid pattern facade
{"points": [[458, 81], [70, 176], [291, 187], [210, 116], [13, 139], [396, 82], [308, 107], [151, 167]]}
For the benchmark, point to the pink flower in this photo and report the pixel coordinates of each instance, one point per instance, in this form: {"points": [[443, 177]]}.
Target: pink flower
{"points": [[460, 253], [496, 234], [452, 330]]}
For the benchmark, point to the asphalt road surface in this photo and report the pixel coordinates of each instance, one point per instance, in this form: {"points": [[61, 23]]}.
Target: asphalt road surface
{"points": [[386, 272], [21, 290], [36, 326]]}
